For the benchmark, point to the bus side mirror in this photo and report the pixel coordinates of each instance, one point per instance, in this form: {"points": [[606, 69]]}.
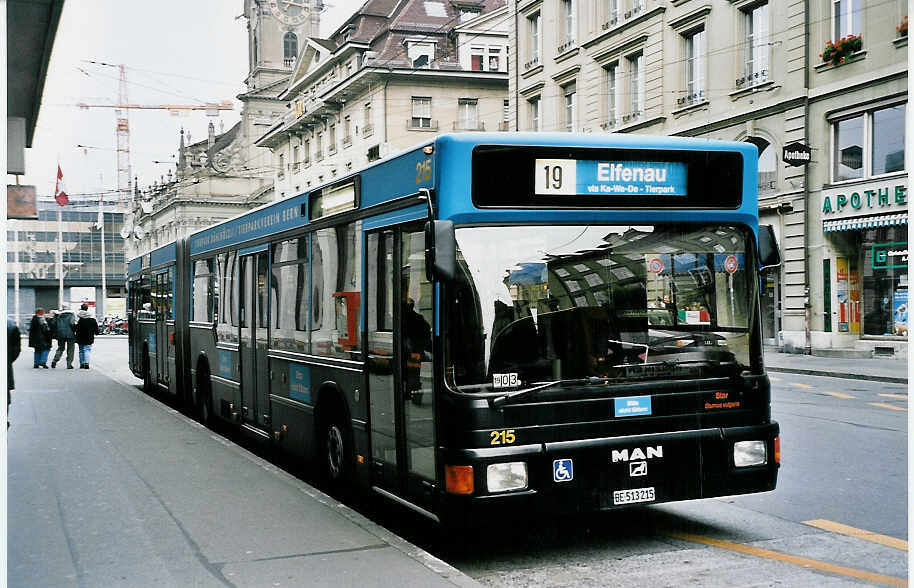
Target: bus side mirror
{"points": [[768, 253], [440, 250]]}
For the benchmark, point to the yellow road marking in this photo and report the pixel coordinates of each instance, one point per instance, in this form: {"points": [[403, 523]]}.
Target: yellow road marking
{"points": [[888, 406], [898, 396], [839, 395], [794, 559], [799, 385], [859, 533]]}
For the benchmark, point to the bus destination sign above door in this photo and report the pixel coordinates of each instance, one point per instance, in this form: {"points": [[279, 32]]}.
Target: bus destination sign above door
{"points": [[628, 178]]}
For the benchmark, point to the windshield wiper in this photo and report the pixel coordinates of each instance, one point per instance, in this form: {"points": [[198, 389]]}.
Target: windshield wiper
{"points": [[510, 397]]}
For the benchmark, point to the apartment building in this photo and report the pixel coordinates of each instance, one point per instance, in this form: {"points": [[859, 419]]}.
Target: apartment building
{"points": [[393, 75], [750, 70]]}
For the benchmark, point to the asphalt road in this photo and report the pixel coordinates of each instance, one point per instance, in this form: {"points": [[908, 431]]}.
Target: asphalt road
{"points": [[837, 518]]}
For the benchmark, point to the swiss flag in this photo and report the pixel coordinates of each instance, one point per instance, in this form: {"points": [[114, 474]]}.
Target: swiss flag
{"points": [[60, 193]]}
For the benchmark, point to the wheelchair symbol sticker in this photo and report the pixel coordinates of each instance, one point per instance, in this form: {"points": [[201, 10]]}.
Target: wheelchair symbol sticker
{"points": [[562, 470]]}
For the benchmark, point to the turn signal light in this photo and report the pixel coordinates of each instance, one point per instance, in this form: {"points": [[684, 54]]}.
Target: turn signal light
{"points": [[777, 449], [458, 479]]}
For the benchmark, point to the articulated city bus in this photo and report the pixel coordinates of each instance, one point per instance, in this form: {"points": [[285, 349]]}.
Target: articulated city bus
{"points": [[486, 323]]}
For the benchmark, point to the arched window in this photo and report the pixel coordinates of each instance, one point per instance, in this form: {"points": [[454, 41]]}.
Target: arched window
{"points": [[289, 47], [767, 164]]}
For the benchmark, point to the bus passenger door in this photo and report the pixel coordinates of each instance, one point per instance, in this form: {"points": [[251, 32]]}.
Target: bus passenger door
{"points": [[161, 329], [400, 317], [253, 341]]}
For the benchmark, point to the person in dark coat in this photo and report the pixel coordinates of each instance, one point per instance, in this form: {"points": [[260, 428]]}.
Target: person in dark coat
{"points": [[40, 338], [66, 336], [13, 347], [86, 327]]}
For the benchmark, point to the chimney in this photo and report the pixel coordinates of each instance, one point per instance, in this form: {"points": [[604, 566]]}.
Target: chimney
{"points": [[211, 138]]}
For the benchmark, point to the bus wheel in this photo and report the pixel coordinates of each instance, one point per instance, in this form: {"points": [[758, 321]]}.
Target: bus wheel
{"points": [[336, 449]]}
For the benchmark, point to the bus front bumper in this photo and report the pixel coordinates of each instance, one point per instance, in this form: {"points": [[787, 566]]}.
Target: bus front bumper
{"points": [[617, 472]]}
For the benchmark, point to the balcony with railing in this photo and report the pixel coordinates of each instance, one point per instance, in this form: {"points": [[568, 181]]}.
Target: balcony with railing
{"points": [[367, 130], [347, 140]]}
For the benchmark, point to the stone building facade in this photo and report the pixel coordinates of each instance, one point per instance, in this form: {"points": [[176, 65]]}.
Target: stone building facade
{"points": [[226, 173], [743, 70], [390, 76]]}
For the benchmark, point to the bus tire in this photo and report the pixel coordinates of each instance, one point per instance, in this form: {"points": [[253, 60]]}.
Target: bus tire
{"points": [[334, 446]]}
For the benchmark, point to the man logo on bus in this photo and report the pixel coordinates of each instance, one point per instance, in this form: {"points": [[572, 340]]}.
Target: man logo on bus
{"points": [[562, 470]]}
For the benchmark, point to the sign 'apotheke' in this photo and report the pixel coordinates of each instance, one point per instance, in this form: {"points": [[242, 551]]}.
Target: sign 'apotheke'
{"points": [[796, 154], [865, 198]]}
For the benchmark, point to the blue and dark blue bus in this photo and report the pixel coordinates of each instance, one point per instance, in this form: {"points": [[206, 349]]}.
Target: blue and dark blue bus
{"points": [[486, 323]]}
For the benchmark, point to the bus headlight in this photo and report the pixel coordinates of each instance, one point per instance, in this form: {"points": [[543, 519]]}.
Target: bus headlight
{"points": [[749, 453], [502, 477]]}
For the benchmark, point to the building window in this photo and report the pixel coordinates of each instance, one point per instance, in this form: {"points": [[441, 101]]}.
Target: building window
{"points": [[612, 13], [467, 114], [848, 149], [289, 49], [319, 147], [421, 54], [888, 140], [613, 95], [477, 55], [885, 281], [296, 158], [306, 144], [567, 24], [636, 84], [533, 40], [846, 18], [485, 58], [767, 164], [347, 130], [282, 165], [494, 59], [695, 66], [422, 112], [756, 62], [367, 127], [569, 106], [331, 139], [533, 114], [869, 144]]}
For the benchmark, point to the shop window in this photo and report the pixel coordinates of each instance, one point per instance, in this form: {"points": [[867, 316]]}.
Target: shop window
{"points": [[885, 281]]}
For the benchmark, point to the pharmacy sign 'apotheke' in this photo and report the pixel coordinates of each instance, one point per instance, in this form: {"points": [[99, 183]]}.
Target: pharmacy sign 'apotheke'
{"points": [[796, 154], [865, 198]]}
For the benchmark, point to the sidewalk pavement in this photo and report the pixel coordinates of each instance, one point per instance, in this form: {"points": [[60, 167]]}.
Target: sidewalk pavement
{"points": [[880, 370], [107, 487]]}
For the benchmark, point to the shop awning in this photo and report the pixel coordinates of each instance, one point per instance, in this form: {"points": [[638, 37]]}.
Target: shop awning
{"points": [[869, 222]]}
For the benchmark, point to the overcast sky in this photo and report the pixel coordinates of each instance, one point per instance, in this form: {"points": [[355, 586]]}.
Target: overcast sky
{"points": [[176, 52]]}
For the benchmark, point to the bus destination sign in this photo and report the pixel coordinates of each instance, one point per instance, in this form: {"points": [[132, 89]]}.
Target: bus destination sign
{"points": [[592, 177]]}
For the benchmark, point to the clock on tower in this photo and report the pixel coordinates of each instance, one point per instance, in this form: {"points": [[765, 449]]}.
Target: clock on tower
{"points": [[290, 12]]}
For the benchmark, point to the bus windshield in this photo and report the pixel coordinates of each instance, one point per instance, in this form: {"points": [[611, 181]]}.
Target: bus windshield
{"points": [[539, 304]]}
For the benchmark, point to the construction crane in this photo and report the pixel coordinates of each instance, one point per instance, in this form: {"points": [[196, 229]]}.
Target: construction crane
{"points": [[122, 129]]}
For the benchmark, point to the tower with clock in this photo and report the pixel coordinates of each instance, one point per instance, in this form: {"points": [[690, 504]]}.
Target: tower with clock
{"points": [[277, 30]]}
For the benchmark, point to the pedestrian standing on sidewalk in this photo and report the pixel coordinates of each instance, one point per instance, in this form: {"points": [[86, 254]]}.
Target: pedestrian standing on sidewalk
{"points": [[13, 347], [86, 327], [66, 336], [40, 338]]}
